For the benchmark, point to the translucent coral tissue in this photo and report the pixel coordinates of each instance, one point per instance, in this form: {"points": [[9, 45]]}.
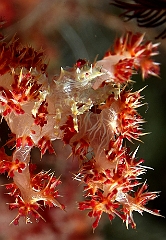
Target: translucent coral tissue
{"points": [[89, 106]]}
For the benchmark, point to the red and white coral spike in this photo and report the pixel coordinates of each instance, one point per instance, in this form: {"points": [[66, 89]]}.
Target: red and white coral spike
{"points": [[17, 56], [45, 144], [43, 192], [24, 141], [24, 98], [8, 103], [32, 188], [129, 54], [99, 204], [9, 166], [137, 203], [112, 191], [25, 88], [25, 210], [128, 122]]}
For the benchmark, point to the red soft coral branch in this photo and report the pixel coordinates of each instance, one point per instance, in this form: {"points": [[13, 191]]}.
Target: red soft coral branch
{"points": [[89, 106]]}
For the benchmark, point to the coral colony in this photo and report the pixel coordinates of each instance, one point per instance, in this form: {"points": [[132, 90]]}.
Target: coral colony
{"points": [[89, 106]]}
